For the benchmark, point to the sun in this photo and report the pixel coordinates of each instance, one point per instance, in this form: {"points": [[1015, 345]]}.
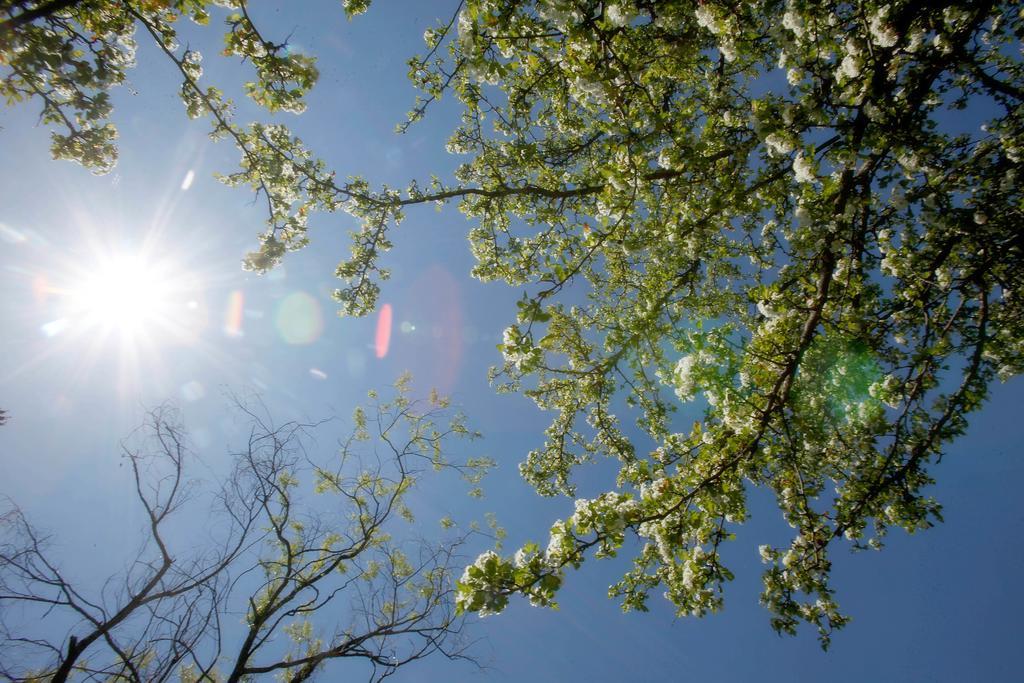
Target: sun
{"points": [[125, 310], [123, 293]]}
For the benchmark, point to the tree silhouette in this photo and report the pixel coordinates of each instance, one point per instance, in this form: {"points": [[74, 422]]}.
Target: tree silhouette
{"points": [[301, 561]]}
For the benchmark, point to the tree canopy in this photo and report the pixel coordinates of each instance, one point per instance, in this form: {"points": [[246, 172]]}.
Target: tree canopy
{"points": [[277, 582], [801, 216]]}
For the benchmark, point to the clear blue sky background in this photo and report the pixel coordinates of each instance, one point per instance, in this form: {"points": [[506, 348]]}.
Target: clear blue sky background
{"points": [[940, 606]]}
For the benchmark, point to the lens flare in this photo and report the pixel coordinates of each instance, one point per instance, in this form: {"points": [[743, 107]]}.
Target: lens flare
{"points": [[55, 327], [433, 347], [193, 391], [298, 319], [12, 236], [382, 340], [40, 289], [234, 313]]}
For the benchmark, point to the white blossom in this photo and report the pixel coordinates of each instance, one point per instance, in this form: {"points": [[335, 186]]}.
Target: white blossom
{"points": [[778, 144], [665, 158], [882, 33], [554, 554], [553, 11], [514, 348], [793, 21], [728, 48], [616, 15], [804, 169], [688, 575], [850, 66], [765, 309], [685, 375], [705, 17], [788, 114], [466, 31]]}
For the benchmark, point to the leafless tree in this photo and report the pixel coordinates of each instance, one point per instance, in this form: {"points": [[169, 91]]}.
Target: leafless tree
{"points": [[301, 566]]}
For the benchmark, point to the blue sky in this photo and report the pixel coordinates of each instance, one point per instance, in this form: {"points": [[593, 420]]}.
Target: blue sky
{"points": [[939, 606]]}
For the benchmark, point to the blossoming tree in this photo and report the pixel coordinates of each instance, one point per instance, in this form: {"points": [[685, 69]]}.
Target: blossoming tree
{"points": [[803, 215]]}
